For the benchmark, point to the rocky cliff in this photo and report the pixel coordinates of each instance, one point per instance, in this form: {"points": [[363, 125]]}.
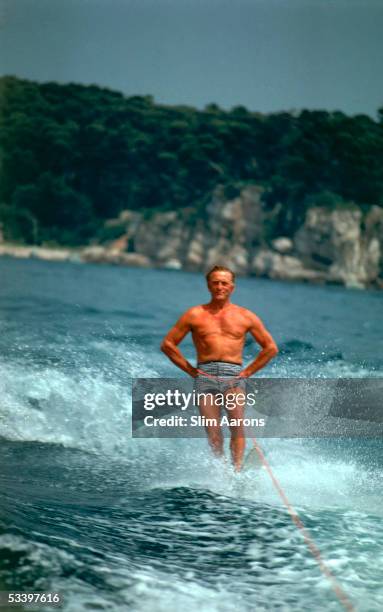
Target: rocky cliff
{"points": [[340, 245]]}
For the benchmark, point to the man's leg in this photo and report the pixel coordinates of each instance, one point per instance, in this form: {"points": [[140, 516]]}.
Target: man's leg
{"points": [[209, 409], [237, 432]]}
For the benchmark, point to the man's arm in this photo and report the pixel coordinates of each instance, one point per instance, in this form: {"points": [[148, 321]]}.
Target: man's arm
{"points": [[170, 343], [269, 348]]}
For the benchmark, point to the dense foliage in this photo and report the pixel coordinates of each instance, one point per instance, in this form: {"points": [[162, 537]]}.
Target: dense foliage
{"points": [[72, 156]]}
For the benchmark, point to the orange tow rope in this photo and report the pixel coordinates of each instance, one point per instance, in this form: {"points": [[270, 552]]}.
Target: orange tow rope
{"points": [[339, 592], [344, 600]]}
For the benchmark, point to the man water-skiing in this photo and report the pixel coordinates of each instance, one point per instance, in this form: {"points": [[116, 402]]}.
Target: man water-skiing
{"points": [[219, 330]]}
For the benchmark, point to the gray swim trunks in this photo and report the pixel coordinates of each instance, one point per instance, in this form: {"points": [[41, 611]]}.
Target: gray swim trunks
{"points": [[220, 377]]}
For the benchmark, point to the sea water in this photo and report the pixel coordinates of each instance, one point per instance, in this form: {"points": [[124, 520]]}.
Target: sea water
{"points": [[115, 523]]}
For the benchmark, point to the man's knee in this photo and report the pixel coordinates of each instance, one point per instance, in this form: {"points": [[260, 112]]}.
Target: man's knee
{"points": [[215, 436]]}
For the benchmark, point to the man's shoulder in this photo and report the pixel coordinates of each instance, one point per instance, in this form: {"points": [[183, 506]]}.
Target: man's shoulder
{"points": [[246, 314], [243, 311], [193, 312]]}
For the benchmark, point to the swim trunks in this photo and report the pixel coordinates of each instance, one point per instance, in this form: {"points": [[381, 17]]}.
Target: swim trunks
{"points": [[219, 377]]}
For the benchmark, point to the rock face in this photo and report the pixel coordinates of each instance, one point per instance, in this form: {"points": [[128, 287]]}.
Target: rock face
{"points": [[227, 234], [283, 267], [25, 252], [100, 254], [343, 245]]}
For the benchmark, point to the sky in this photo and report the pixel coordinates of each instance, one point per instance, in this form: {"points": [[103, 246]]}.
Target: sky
{"points": [[267, 55]]}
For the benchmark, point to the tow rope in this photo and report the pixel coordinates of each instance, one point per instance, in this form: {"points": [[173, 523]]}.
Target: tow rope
{"points": [[314, 550]]}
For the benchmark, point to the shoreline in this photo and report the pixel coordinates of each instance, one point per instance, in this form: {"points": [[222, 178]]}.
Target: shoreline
{"points": [[102, 255]]}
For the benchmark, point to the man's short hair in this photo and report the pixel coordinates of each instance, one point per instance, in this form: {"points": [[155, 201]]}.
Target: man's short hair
{"points": [[220, 269]]}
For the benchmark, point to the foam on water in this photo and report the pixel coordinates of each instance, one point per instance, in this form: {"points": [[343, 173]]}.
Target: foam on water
{"points": [[309, 479], [90, 409], [81, 410], [215, 534]]}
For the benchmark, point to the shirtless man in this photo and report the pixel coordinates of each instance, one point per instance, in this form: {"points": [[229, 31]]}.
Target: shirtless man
{"points": [[218, 330]]}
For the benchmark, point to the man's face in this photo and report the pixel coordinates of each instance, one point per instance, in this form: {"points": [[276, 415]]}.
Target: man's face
{"points": [[220, 285]]}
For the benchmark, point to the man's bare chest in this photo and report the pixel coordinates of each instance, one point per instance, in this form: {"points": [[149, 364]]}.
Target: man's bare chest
{"points": [[235, 327]]}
